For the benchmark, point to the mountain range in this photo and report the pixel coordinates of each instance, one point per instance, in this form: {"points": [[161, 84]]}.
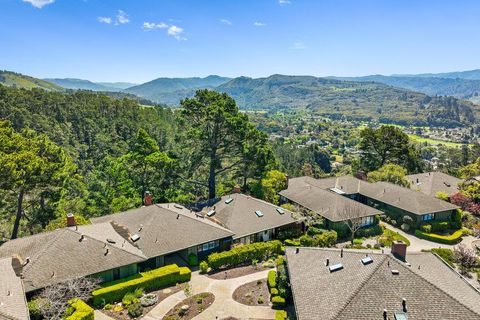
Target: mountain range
{"points": [[402, 99]]}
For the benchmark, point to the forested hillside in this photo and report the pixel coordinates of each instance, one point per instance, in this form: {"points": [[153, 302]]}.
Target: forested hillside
{"points": [[350, 100], [17, 80]]}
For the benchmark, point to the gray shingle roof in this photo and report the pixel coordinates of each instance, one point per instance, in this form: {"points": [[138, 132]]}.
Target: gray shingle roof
{"points": [[13, 304], [363, 291], [239, 215], [310, 193], [60, 255], [432, 182], [161, 232]]}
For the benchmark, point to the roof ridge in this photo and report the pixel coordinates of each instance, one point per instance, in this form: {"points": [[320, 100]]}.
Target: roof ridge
{"points": [[357, 290], [434, 285]]}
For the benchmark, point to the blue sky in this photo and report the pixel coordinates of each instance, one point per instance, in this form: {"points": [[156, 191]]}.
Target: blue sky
{"points": [[139, 40]]}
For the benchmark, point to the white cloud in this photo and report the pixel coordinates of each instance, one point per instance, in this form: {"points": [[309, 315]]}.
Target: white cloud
{"points": [[172, 30], [122, 17], [106, 20], [39, 3], [225, 21], [259, 24], [152, 25], [299, 45], [284, 2]]}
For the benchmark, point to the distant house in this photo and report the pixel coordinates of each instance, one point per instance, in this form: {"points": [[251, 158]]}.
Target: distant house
{"points": [[342, 284], [430, 183], [329, 198], [251, 219], [13, 305], [393, 200]]}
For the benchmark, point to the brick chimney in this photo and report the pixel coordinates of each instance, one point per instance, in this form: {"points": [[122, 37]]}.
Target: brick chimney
{"points": [[286, 182], [399, 250], [71, 220], [237, 189], [147, 199]]}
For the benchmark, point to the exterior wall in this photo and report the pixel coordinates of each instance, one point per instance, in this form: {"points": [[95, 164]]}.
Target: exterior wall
{"points": [[117, 273]]}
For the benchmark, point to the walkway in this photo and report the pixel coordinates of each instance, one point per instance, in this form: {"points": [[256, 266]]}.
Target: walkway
{"points": [[417, 244], [224, 306]]}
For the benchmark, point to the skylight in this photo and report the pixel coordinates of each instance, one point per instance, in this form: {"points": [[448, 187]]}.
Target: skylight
{"points": [[229, 200], [280, 210], [336, 190], [135, 237], [367, 260], [335, 267], [259, 213]]}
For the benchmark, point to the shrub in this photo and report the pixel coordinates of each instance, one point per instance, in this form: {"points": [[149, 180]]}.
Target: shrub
{"points": [[274, 291], [427, 228], [289, 242], [260, 300], [281, 315], [407, 220], [278, 301], [272, 279], [313, 231], [80, 310], [192, 259], [465, 257], [442, 196], [241, 254], [440, 226], [108, 306], [35, 307], [203, 267], [405, 227], [325, 239], [129, 298], [456, 219], [306, 241], [135, 310], [370, 232], [358, 241], [279, 261], [150, 280], [450, 239]]}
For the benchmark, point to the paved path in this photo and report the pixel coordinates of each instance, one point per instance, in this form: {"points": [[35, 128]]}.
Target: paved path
{"points": [[99, 315], [417, 244], [223, 306]]}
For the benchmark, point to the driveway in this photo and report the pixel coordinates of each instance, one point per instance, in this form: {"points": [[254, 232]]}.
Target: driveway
{"points": [[224, 306], [417, 244]]}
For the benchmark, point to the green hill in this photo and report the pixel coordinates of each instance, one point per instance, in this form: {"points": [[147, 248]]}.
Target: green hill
{"points": [[80, 84], [17, 80], [350, 99], [469, 75]]}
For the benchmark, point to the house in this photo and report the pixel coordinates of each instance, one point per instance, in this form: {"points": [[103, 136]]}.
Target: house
{"points": [[329, 199], [430, 183], [347, 284], [251, 219], [165, 231], [13, 305], [391, 199]]}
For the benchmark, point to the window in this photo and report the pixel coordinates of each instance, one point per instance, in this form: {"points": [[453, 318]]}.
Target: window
{"points": [[205, 246], [211, 245], [366, 221], [428, 217]]}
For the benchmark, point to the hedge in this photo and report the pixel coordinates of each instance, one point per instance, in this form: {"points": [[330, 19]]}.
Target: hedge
{"points": [[272, 279], [239, 255], [79, 310], [294, 243], [281, 315], [278, 301], [450, 239], [149, 281]]}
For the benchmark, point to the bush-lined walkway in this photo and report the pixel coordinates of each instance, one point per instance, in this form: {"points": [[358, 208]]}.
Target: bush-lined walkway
{"points": [[224, 306]]}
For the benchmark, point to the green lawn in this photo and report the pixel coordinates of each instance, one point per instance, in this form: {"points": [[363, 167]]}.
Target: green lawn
{"points": [[389, 236], [419, 139]]}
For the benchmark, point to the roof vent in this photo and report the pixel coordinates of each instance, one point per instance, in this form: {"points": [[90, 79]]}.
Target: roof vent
{"points": [[82, 237], [297, 250], [335, 267], [135, 237], [178, 216], [178, 206], [140, 228], [211, 213], [367, 260], [229, 200], [259, 213], [395, 272], [404, 305], [106, 252], [327, 262], [385, 314], [280, 210], [110, 240]]}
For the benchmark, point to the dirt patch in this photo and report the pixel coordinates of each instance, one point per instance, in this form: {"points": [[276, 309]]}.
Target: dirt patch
{"points": [[196, 304], [236, 272], [253, 293], [120, 313]]}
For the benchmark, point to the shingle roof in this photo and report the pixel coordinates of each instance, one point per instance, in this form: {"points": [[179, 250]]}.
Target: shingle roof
{"points": [[310, 193], [161, 232], [432, 182], [13, 304], [404, 198], [239, 215], [363, 291], [60, 255]]}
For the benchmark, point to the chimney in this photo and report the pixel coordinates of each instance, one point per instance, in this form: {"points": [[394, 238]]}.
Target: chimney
{"points": [[399, 250], [286, 182], [237, 189], [17, 264], [71, 220], [147, 199]]}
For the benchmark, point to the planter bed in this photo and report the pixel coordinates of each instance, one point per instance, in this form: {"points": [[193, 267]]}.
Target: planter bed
{"points": [[236, 272], [253, 293], [197, 304]]}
